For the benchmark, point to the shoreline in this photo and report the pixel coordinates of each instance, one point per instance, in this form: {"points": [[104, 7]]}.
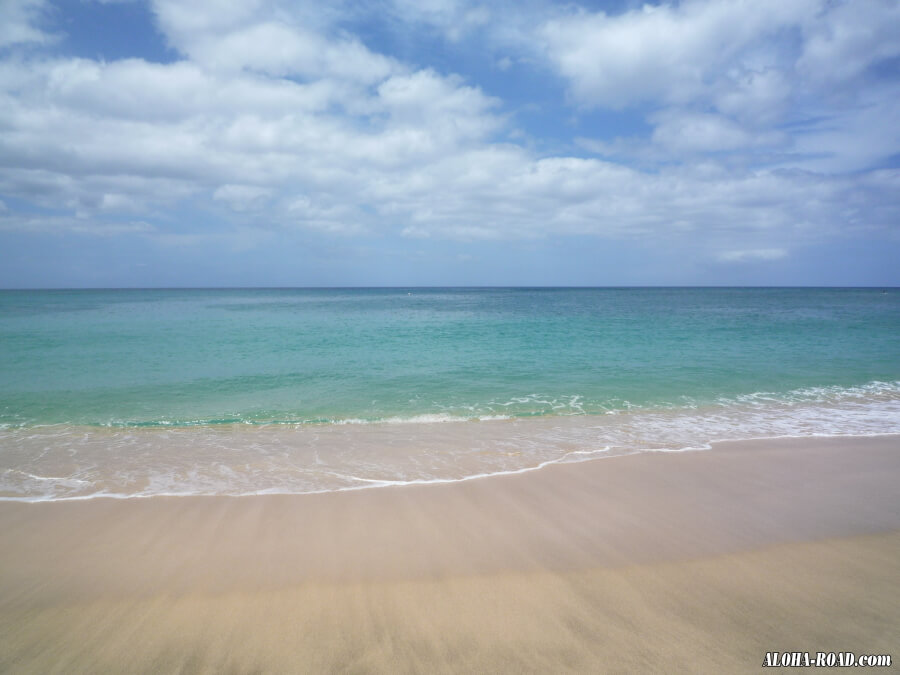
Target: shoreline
{"points": [[370, 484], [752, 546]]}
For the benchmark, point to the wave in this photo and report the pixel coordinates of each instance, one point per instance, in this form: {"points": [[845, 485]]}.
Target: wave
{"points": [[826, 394], [82, 461], [519, 407]]}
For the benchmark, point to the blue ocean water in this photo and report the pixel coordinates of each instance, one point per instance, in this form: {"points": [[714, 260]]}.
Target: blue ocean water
{"points": [[73, 363]]}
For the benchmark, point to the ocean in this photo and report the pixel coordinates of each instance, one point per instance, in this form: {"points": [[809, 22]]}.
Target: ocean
{"points": [[130, 393]]}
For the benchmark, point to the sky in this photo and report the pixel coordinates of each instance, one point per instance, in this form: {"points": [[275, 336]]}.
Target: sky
{"points": [[173, 143]]}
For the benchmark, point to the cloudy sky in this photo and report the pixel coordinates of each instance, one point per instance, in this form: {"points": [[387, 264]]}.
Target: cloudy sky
{"points": [[449, 142]]}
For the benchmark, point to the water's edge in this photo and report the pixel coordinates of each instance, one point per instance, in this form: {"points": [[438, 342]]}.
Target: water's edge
{"points": [[398, 484], [60, 462]]}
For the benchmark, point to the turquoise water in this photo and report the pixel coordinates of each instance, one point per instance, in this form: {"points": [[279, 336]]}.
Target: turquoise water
{"points": [[77, 362], [136, 357]]}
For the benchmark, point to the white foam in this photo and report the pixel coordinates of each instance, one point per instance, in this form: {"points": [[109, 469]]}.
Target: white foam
{"points": [[61, 462], [428, 418]]}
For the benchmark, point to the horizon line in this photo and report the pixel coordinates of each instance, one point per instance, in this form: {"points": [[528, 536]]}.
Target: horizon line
{"points": [[436, 287]]}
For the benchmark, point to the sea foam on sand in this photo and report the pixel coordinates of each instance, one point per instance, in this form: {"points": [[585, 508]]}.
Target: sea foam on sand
{"points": [[686, 562]]}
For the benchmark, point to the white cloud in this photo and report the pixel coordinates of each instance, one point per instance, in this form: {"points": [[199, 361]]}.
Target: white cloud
{"points": [[669, 53], [95, 137], [682, 132], [453, 18], [136, 89], [445, 105], [111, 201], [243, 197], [268, 37], [65, 224], [505, 193], [182, 21], [418, 159], [343, 218], [759, 254], [279, 49], [747, 59], [848, 38], [274, 121], [18, 22], [755, 97], [793, 78], [855, 139]]}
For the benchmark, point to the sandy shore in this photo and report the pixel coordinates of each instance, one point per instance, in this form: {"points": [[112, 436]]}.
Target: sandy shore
{"points": [[697, 562]]}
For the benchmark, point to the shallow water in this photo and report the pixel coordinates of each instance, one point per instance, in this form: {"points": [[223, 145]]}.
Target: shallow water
{"points": [[145, 392]]}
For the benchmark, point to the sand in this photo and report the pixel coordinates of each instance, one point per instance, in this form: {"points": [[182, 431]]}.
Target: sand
{"points": [[658, 562]]}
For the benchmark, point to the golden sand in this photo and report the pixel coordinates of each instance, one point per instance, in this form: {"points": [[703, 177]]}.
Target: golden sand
{"points": [[688, 562]]}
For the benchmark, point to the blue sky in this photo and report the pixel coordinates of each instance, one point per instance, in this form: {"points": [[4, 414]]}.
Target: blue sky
{"points": [[449, 142]]}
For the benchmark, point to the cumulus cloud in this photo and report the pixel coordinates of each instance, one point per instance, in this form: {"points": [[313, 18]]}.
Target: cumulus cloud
{"points": [[847, 38], [269, 37], [274, 116], [504, 193], [19, 23], [76, 125], [678, 131], [727, 75], [279, 49], [666, 52]]}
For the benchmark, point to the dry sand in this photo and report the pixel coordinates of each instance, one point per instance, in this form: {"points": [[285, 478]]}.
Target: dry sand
{"points": [[680, 562]]}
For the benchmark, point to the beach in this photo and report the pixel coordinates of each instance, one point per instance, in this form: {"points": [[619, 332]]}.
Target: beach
{"points": [[437, 337], [693, 561]]}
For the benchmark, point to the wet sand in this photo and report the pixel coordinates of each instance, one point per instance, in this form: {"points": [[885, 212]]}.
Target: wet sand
{"points": [[696, 561]]}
